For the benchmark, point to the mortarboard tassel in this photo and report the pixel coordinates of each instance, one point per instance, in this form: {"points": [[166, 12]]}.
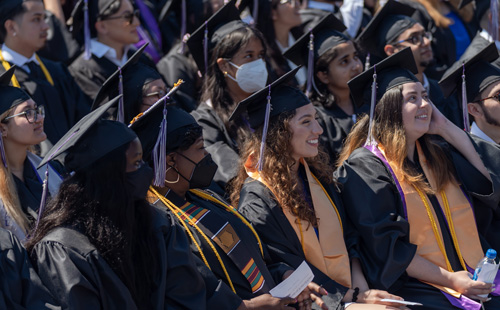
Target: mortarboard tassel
{"points": [[260, 163], [367, 61], [183, 26], [370, 141], [121, 114], [205, 47], [255, 11], [493, 24], [2, 151], [465, 112], [310, 64], [86, 29], [160, 151], [45, 188]]}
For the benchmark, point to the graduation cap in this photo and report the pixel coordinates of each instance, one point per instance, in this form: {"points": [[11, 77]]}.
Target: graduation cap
{"points": [[10, 97], [391, 72], [153, 128], [385, 27], [114, 85], [309, 47], [473, 75], [252, 5], [270, 101], [225, 21], [7, 8], [485, 6]]}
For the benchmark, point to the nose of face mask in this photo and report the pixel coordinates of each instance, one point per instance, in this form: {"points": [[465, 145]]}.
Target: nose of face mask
{"points": [[251, 76]]}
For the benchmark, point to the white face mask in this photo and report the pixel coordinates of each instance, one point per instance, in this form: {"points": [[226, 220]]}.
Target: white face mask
{"points": [[251, 76]]}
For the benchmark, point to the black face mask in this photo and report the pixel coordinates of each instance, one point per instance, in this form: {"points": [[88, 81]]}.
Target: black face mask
{"points": [[138, 181], [203, 172]]}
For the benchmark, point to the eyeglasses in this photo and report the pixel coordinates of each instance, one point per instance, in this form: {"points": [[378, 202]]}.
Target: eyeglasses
{"points": [[495, 97], [30, 114], [417, 39], [159, 93], [128, 17], [293, 3]]}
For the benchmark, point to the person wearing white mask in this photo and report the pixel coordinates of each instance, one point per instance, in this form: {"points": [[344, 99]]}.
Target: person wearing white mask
{"points": [[234, 68]]}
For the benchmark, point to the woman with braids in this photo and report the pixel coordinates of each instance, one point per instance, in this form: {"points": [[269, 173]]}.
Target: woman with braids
{"points": [[335, 61], [235, 69], [221, 238], [100, 245], [409, 185], [290, 198]]}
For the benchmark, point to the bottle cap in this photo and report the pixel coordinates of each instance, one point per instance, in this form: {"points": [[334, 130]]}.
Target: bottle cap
{"points": [[491, 254]]}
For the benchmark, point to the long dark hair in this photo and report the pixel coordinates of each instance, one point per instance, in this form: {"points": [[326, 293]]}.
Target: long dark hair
{"points": [[215, 86], [95, 201]]}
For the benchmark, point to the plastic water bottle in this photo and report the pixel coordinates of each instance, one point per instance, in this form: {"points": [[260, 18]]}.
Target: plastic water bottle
{"points": [[486, 269]]}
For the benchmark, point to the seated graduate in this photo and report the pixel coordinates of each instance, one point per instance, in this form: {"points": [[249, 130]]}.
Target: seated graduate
{"points": [[112, 30], [482, 94], [235, 68], [21, 127], [223, 240], [297, 216], [99, 244], [407, 178], [20, 286], [335, 61], [23, 32]]}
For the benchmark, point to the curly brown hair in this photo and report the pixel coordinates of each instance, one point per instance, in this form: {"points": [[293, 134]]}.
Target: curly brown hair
{"points": [[277, 170]]}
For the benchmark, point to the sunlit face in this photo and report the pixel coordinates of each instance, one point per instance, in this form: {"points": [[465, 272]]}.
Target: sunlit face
{"points": [[118, 28], [417, 110], [287, 14], [343, 68], [30, 29], [134, 156], [422, 52], [18, 130], [491, 106], [305, 132], [152, 92]]}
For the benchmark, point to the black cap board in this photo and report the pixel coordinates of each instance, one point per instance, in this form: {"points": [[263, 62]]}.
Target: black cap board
{"points": [[479, 73], [389, 22], [393, 71], [10, 96], [223, 22], [95, 8], [195, 6], [283, 98], [327, 34], [90, 139]]}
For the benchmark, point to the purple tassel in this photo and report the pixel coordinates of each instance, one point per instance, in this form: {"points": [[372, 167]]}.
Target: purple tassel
{"points": [[260, 163], [44, 196], [255, 11], [493, 25], [465, 112], [86, 29], [183, 27], [120, 115], [310, 64], [367, 61], [205, 47], [2, 151], [160, 151], [370, 140]]}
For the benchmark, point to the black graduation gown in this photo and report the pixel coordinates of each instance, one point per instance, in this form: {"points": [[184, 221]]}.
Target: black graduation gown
{"points": [[65, 103], [91, 74], [20, 286], [259, 206], [79, 277], [174, 66], [223, 148], [450, 107], [378, 215], [336, 126], [273, 273]]}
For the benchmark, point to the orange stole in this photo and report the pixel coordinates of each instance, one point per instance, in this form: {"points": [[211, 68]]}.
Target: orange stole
{"points": [[461, 216], [329, 253]]}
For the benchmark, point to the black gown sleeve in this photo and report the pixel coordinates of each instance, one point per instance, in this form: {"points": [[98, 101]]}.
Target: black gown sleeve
{"points": [[20, 286], [374, 207], [279, 237]]}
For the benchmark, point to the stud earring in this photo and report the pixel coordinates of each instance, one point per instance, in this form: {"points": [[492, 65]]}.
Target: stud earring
{"points": [[225, 73], [14, 34]]}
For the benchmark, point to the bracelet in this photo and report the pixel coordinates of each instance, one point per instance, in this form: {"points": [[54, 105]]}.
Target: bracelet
{"points": [[355, 294]]}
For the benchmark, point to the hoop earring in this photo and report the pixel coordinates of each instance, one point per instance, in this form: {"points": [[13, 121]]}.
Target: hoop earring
{"points": [[172, 182]]}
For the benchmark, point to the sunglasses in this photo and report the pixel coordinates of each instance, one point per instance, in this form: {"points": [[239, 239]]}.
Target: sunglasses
{"points": [[30, 114], [128, 17]]}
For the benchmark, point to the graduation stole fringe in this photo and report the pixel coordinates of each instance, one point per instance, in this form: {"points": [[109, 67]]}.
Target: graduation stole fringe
{"points": [[225, 237], [425, 231], [329, 253]]}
